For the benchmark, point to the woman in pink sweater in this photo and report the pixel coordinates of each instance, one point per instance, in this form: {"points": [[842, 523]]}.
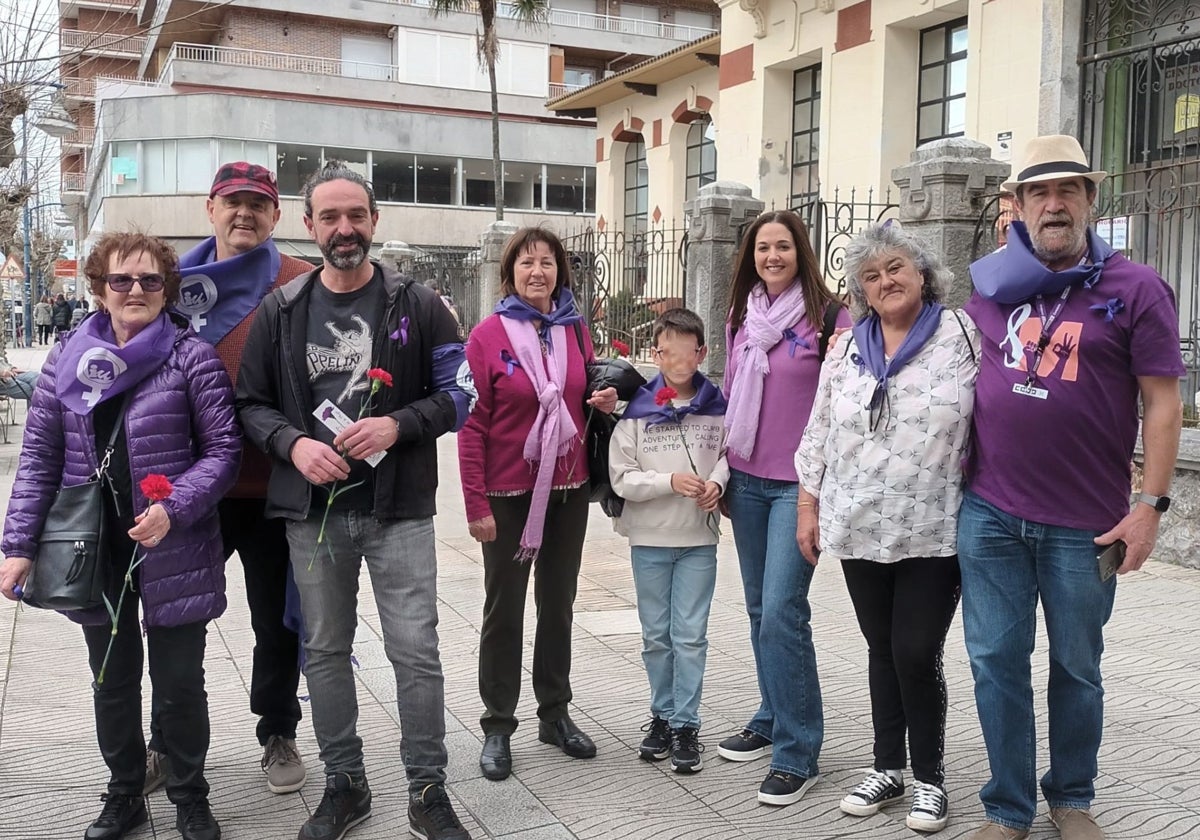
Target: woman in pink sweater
{"points": [[524, 479]]}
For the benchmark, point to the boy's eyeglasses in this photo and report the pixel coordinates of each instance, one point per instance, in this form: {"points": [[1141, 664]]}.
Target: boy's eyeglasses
{"points": [[124, 282], [664, 353]]}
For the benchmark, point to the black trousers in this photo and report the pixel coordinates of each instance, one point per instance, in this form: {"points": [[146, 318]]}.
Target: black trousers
{"points": [[262, 544], [505, 582], [177, 678], [904, 611], [44, 333]]}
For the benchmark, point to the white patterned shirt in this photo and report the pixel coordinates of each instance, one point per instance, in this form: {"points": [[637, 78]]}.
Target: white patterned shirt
{"points": [[894, 492]]}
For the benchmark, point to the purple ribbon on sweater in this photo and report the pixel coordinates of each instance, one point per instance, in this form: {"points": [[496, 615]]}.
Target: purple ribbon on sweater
{"points": [[1111, 308], [93, 368], [401, 332]]}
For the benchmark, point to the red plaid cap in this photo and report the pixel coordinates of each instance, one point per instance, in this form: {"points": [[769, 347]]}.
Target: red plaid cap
{"points": [[245, 177]]}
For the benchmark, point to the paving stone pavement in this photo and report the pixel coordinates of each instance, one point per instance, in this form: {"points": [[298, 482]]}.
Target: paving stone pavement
{"points": [[51, 774]]}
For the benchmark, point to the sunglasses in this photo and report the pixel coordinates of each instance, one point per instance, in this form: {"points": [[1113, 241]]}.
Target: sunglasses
{"points": [[124, 282]]}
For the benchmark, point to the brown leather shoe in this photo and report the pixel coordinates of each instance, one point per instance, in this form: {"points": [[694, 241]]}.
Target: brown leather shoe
{"points": [[995, 831], [1076, 824]]}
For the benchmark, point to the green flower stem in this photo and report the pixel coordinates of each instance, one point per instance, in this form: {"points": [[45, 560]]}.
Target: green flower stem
{"points": [[711, 519], [126, 586]]}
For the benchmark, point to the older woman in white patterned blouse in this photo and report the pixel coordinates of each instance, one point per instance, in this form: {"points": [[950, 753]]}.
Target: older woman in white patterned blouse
{"points": [[880, 476]]}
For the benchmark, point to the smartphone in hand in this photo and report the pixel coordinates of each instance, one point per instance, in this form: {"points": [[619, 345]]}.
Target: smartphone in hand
{"points": [[1110, 559]]}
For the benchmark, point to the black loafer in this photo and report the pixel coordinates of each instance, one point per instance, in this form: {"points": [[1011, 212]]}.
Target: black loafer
{"points": [[564, 734], [496, 759]]}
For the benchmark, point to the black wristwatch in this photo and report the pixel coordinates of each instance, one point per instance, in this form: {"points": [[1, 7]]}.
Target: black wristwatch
{"points": [[1159, 503]]}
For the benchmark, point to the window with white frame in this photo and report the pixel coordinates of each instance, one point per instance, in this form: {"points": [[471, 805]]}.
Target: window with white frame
{"points": [[942, 84]]}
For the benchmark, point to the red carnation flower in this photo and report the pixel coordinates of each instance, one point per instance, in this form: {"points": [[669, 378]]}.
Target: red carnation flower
{"points": [[665, 395], [156, 487], [620, 346], [380, 375]]}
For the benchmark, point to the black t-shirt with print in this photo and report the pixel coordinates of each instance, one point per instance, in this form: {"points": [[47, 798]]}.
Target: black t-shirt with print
{"points": [[342, 328]]}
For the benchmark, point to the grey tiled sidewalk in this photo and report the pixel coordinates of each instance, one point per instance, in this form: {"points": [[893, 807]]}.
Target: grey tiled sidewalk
{"points": [[51, 774]]}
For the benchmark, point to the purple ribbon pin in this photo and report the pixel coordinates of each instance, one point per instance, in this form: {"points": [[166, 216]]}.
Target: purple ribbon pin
{"points": [[509, 362], [1111, 308], [858, 360], [18, 591], [401, 334], [794, 341]]}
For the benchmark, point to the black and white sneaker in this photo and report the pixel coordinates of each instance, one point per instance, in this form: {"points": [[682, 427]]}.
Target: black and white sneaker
{"points": [[432, 817], [930, 811], [345, 804], [657, 744], [686, 749], [872, 793], [744, 746], [780, 788]]}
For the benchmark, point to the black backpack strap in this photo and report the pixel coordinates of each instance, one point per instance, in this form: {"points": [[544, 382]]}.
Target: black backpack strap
{"points": [[963, 327], [828, 325]]}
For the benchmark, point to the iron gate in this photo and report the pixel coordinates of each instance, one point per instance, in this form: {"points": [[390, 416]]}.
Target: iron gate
{"points": [[622, 282], [833, 223], [1140, 122], [454, 271]]}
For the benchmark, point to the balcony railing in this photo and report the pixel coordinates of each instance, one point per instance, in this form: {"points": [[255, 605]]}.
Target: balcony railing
{"points": [[602, 23], [276, 61], [74, 182], [84, 87], [558, 89], [80, 137], [75, 39]]}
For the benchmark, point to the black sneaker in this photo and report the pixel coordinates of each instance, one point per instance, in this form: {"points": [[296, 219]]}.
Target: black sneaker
{"points": [[119, 814], [195, 821], [872, 793], [346, 803], [657, 744], [431, 816], [780, 788], [930, 811], [744, 746], [686, 749]]}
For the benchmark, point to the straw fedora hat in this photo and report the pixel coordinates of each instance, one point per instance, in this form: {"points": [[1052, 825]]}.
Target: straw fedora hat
{"points": [[1053, 156]]}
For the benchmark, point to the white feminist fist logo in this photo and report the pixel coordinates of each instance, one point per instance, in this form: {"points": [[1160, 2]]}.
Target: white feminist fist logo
{"points": [[197, 297], [97, 370]]}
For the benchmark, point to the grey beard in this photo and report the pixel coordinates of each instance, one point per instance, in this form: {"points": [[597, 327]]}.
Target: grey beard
{"points": [[344, 262]]}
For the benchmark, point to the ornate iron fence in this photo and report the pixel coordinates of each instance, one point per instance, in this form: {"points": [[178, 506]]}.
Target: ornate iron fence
{"points": [[1140, 122], [454, 271], [832, 223], [622, 282]]}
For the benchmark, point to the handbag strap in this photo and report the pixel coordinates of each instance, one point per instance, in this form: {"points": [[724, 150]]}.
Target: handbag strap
{"points": [[102, 470]]}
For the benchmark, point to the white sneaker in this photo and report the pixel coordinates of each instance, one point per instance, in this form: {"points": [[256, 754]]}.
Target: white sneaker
{"points": [[930, 810]]}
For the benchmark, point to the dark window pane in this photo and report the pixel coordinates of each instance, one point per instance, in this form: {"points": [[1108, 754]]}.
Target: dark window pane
{"points": [[478, 183], [437, 180], [931, 83], [392, 176], [293, 165], [589, 189], [933, 46]]}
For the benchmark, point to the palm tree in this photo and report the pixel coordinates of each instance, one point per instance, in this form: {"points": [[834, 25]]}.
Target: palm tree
{"points": [[529, 12]]}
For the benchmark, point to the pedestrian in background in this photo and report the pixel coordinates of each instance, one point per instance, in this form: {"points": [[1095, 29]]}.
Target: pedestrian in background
{"points": [[880, 467], [61, 314], [43, 319], [670, 517], [171, 404], [525, 484], [781, 316]]}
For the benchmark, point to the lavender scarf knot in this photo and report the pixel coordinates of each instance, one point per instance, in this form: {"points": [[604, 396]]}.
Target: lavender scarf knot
{"points": [[553, 431], [1015, 274], [93, 368], [868, 336], [765, 326]]}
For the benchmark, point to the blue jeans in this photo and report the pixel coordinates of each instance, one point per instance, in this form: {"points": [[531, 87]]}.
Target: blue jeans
{"points": [[1007, 565], [776, 578], [402, 563], [674, 593]]}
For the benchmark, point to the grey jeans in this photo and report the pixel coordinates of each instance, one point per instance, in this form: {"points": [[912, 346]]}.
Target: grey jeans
{"points": [[402, 562]]}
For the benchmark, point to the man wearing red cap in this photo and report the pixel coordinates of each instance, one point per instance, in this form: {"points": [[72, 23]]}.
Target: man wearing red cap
{"points": [[224, 279]]}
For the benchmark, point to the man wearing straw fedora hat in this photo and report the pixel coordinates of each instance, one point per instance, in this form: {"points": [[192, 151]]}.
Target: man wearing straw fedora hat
{"points": [[1072, 334]]}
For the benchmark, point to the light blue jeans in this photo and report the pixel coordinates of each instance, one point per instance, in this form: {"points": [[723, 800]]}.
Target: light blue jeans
{"points": [[776, 578], [674, 593], [1007, 565], [402, 562]]}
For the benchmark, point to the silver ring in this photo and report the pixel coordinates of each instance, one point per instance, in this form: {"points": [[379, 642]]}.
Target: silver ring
{"points": [[154, 541]]}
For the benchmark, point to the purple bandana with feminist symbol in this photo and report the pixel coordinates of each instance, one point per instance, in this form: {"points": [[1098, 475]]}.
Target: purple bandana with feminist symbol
{"points": [[92, 368], [216, 295]]}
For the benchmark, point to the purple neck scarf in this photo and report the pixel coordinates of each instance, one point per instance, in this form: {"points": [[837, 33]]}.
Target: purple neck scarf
{"points": [[708, 402], [564, 313], [92, 368], [1014, 274], [868, 335], [216, 295]]}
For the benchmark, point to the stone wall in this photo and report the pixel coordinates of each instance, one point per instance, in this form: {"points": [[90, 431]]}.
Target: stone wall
{"points": [[1179, 530]]}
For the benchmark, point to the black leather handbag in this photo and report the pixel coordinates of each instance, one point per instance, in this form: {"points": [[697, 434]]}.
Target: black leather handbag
{"points": [[71, 569], [601, 374]]}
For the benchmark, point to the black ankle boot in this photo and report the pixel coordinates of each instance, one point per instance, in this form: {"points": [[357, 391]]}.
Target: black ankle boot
{"points": [[195, 821], [119, 815]]}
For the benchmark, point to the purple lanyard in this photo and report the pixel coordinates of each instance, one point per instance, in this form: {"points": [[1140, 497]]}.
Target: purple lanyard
{"points": [[1044, 338]]}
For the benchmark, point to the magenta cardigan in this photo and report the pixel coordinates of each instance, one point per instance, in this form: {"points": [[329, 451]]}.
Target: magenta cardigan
{"points": [[491, 444]]}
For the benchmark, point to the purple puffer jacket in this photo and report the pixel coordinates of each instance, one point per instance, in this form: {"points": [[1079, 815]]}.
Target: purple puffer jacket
{"points": [[180, 423]]}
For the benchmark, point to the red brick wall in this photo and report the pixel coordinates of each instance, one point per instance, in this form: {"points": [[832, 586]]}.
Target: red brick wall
{"points": [[252, 30]]}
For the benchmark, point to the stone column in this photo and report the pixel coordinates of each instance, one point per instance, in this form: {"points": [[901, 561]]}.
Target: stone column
{"points": [[714, 218], [491, 246], [942, 192]]}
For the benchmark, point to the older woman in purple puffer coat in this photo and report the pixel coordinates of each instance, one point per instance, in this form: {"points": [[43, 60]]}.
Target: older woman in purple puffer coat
{"points": [[179, 422]]}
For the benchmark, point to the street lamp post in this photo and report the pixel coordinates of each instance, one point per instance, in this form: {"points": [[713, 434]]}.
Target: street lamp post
{"points": [[56, 124]]}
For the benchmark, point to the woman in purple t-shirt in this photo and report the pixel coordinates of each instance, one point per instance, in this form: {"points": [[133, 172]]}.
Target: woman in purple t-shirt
{"points": [[778, 306]]}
